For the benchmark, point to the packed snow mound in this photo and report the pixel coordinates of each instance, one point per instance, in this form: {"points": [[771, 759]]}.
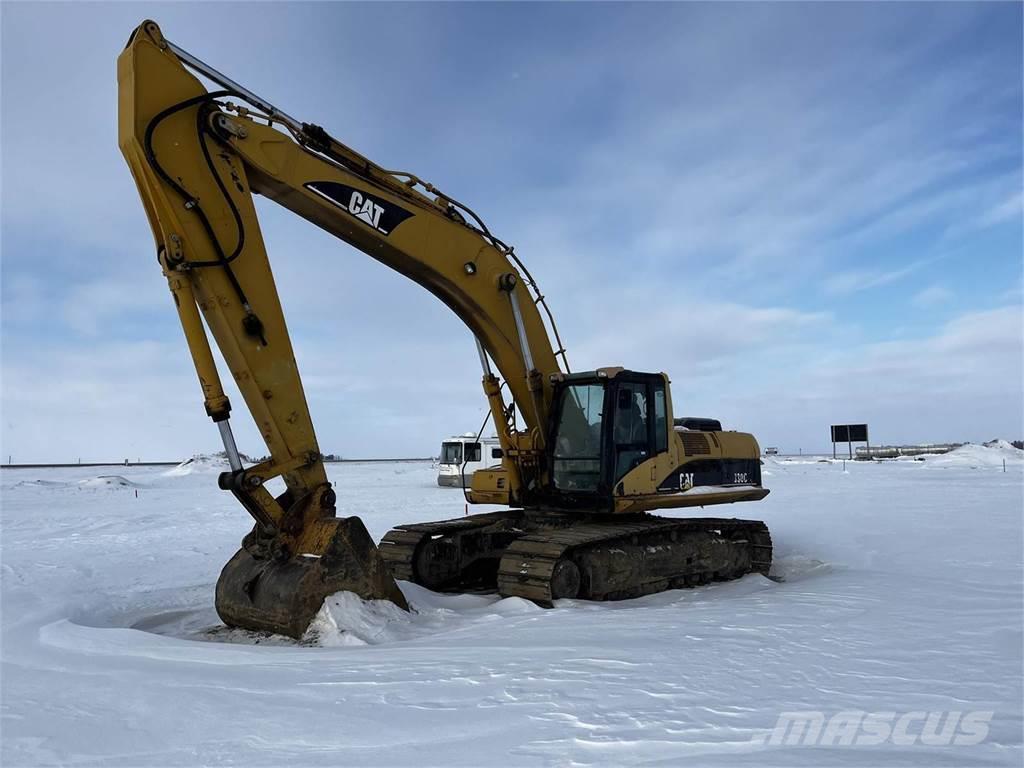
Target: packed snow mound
{"points": [[107, 482], [40, 484], [205, 463], [1005, 446], [345, 619], [974, 456], [797, 567], [782, 461], [100, 482]]}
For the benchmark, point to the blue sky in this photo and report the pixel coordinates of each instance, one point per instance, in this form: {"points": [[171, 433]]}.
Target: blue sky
{"points": [[805, 214]]}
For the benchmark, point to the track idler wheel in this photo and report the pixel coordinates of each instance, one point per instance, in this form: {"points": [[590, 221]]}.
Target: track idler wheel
{"points": [[565, 580], [282, 593]]}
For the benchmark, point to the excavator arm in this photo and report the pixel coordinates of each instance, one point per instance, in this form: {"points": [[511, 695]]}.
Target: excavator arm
{"points": [[198, 157]]}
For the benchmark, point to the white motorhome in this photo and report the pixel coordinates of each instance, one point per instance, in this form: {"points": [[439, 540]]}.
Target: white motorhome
{"points": [[461, 456]]}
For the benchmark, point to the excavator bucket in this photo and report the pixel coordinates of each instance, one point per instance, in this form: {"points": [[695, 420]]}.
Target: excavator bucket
{"points": [[283, 594]]}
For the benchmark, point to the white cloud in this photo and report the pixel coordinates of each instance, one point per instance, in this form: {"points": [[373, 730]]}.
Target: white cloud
{"points": [[964, 382], [931, 296], [689, 337], [769, 176], [1013, 294], [101, 401], [1009, 209], [861, 280], [94, 307]]}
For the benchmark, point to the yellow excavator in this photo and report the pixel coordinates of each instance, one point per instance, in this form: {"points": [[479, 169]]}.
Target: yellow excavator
{"points": [[585, 457]]}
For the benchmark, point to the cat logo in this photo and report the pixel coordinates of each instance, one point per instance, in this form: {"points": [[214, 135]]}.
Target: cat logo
{"points": [[364, 208], [685, 481], [371, 210]]}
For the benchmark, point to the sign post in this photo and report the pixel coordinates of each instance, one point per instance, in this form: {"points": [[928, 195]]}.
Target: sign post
{"points": [[849, 434]]}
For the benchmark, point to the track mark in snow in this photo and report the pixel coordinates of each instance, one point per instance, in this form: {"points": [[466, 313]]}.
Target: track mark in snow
{"points": [[792, 568], [347, 621], [606, 662]]}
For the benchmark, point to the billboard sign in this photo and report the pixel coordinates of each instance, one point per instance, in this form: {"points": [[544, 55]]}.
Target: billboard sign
{"points": [[849, 433]]}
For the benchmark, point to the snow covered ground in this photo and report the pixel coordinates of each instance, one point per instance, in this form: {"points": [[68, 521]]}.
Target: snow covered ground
{"points": [[901, 592]]}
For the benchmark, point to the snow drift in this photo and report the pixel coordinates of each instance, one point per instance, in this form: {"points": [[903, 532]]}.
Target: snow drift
{"points": [[205, 463], [900, 591], [346, 619], [974, 456]]}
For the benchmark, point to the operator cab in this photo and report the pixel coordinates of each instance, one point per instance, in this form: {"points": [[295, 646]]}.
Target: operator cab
{"points": [[605, 423]]}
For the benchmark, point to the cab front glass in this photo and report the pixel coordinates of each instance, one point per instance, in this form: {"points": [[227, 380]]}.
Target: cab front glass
{"points": [[578, 438], [451, 453]]}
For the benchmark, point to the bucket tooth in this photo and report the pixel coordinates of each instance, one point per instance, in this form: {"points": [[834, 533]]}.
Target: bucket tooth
{"points": [[283, 595]]}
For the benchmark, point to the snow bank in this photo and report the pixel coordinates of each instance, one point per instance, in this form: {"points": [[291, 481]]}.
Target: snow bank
{"points": [[107, 482], [967, 456], [810, 459], [40, 484], [973, 456], [100, 482], [204, 463], [345, 619]]}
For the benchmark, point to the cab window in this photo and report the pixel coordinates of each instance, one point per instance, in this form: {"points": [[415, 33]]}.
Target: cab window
{"points": [[451, 453], [577, 449], [631, 437], [660, 419]]}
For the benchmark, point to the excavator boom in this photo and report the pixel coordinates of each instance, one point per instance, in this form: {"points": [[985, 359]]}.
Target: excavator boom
{"points": [[198, 158]]}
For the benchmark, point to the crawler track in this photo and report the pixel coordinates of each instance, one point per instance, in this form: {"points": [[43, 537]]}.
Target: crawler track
{"points": [[544, 557], [449, 554], [614, 561]]}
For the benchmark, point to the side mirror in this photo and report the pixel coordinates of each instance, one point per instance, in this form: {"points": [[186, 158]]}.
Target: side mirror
{"points": [[496, 453]]}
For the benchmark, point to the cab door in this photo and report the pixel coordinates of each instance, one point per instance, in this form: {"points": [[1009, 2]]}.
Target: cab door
{"points": [[639, 424]]}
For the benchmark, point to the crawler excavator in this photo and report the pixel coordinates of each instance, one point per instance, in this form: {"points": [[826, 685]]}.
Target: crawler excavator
{"points": [[586, 456]]}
